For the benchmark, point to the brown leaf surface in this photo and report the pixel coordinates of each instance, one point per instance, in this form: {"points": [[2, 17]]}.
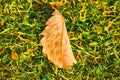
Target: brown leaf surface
{"points": [[56, 42]]}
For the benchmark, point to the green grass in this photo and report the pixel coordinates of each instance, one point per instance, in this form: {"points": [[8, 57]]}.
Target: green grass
{"points": [[93, 28]]}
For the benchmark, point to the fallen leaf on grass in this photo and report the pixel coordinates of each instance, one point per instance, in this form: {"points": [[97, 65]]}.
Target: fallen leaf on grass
{"points": [[14, 56], [55, 42]]}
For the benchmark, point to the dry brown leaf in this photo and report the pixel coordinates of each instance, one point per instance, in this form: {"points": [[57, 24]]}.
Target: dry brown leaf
{"points": [[56, 42], [14, 56]]}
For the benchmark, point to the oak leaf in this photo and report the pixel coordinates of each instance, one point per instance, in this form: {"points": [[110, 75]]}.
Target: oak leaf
{"points": [[55, 42]]}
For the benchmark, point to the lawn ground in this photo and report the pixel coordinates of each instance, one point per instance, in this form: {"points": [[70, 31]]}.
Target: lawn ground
{"points": [[93, 27]]}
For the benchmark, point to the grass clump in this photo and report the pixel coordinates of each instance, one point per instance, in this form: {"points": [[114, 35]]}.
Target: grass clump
{"points": [[93, 28]]}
